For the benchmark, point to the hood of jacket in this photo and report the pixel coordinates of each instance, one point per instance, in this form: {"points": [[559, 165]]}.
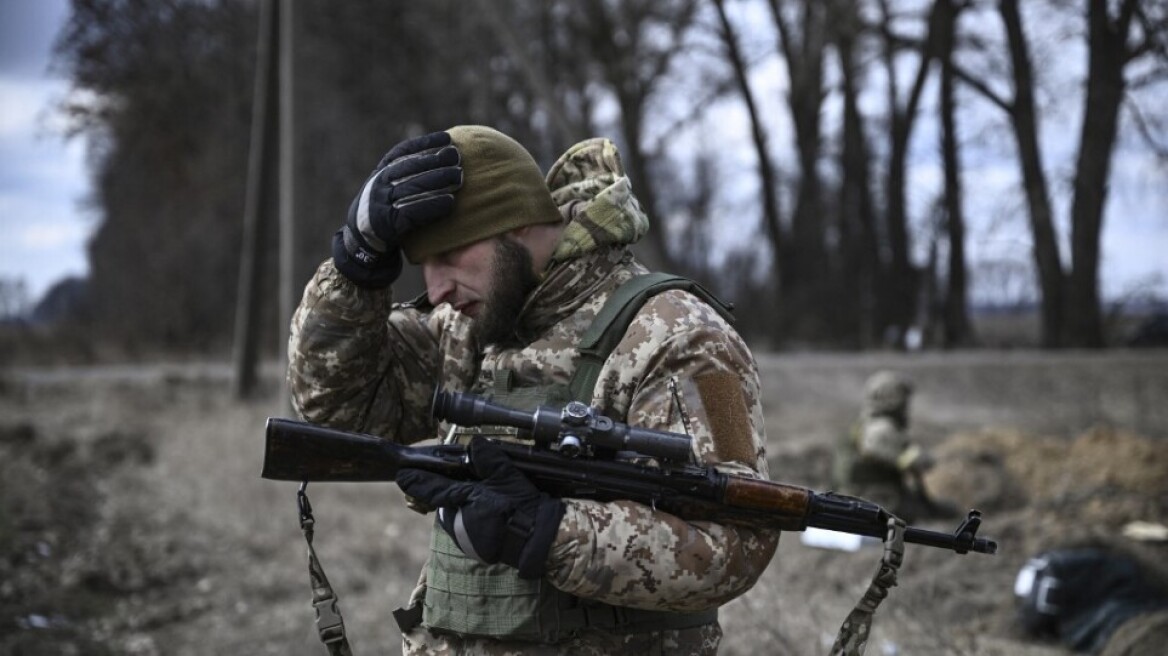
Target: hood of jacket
{"points": [[602, 218], [590, 187]]}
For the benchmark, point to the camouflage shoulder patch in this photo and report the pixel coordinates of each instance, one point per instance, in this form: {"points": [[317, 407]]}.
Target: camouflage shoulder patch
{"points": [[721, 396]]}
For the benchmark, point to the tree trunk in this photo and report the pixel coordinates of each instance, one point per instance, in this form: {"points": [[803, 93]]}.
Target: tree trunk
{"points": [[1024, 120], [956, 326], [1108, 54], [768, 181], [899, 297], [805, 256], [654, 251], [632, 68], [503, 29], [860, 267]]}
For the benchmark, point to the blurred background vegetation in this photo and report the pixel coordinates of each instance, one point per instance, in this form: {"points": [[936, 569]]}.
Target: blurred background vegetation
{"points": [[833, 95]]}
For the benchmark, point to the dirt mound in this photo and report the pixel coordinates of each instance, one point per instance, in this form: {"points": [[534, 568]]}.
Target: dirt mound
{"points": [[1104, 475], [1047, 492]]}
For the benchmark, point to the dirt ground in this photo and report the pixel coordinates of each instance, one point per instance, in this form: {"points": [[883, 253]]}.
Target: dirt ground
{"points": [[133, 519]]}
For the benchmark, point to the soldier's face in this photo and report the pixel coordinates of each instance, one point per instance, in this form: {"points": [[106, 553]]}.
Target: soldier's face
{"points": [[488, 281], [461, 277]]}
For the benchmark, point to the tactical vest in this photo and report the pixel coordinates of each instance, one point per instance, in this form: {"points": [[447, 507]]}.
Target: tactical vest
{"points": [[467, 597]]}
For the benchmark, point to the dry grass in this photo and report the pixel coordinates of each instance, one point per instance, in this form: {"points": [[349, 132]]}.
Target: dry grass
{"points": [[135, 522]]}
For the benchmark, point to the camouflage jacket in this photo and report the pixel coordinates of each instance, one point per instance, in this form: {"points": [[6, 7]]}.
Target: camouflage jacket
{"points": [[359, 362]]}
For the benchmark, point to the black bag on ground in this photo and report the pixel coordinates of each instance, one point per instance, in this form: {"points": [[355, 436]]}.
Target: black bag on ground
{"points": [[1080, 596]]}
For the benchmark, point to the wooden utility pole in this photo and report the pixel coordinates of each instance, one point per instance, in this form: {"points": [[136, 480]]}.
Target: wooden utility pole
{"points": [[259, 203], [287, 183]]}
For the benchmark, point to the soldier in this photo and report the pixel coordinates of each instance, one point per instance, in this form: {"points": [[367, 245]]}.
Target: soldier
{"points": [[517, 266], [878, 461]]}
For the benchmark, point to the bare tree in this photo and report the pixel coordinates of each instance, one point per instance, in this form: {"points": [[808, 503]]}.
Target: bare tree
{"points": [[696, 204], [503, 28], [802, 28], [169, 168], [1024, 121], [1117, 36], [861, 271], [632, 44], [900, 293], [957, 330], [768, 180], [1111, 50]]}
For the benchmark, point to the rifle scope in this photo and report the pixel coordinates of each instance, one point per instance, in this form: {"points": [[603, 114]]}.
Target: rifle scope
{"points": [[572, 426]]}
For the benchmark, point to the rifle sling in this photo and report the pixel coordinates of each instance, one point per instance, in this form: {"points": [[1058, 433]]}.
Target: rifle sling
{"points": [[330, 625], [853, 635]]}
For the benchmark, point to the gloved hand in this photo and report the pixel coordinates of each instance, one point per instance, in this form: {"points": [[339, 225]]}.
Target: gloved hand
{"points": [[501, 518], [413, 185]]}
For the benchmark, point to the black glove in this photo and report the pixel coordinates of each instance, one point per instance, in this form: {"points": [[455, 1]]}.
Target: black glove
{"points": [[501, 518], [413, 185]]}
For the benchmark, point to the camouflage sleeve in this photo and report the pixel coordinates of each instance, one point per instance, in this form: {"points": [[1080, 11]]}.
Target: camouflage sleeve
{"points": [[680, 368], [357, 362]]}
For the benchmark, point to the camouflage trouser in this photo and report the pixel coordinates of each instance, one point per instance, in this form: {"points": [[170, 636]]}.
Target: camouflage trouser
{"points": [[699, 641]]}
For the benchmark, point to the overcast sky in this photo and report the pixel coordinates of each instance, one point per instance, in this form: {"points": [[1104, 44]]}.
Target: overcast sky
{"points": [[44, 223], [43, 228]]}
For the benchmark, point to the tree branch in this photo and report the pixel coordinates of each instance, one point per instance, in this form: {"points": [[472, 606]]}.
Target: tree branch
{"points": [[1144, 128], [983, 88]]}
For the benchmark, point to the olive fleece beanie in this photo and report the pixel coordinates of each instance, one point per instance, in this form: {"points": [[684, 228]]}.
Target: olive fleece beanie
{"points": [[502, 189]]}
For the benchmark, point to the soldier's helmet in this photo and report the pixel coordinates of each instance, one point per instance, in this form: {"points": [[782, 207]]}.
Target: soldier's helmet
{"points": [[886, 393]]}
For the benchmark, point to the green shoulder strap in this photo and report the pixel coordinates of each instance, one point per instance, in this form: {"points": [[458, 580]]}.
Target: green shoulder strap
{"points": [[611, 323]]}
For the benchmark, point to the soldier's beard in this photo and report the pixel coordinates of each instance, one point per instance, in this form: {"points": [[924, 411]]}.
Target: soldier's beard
{"points": [[512, 279]]}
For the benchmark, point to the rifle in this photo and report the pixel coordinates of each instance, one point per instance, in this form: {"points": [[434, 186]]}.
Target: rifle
{"points": [[577, 453]]}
